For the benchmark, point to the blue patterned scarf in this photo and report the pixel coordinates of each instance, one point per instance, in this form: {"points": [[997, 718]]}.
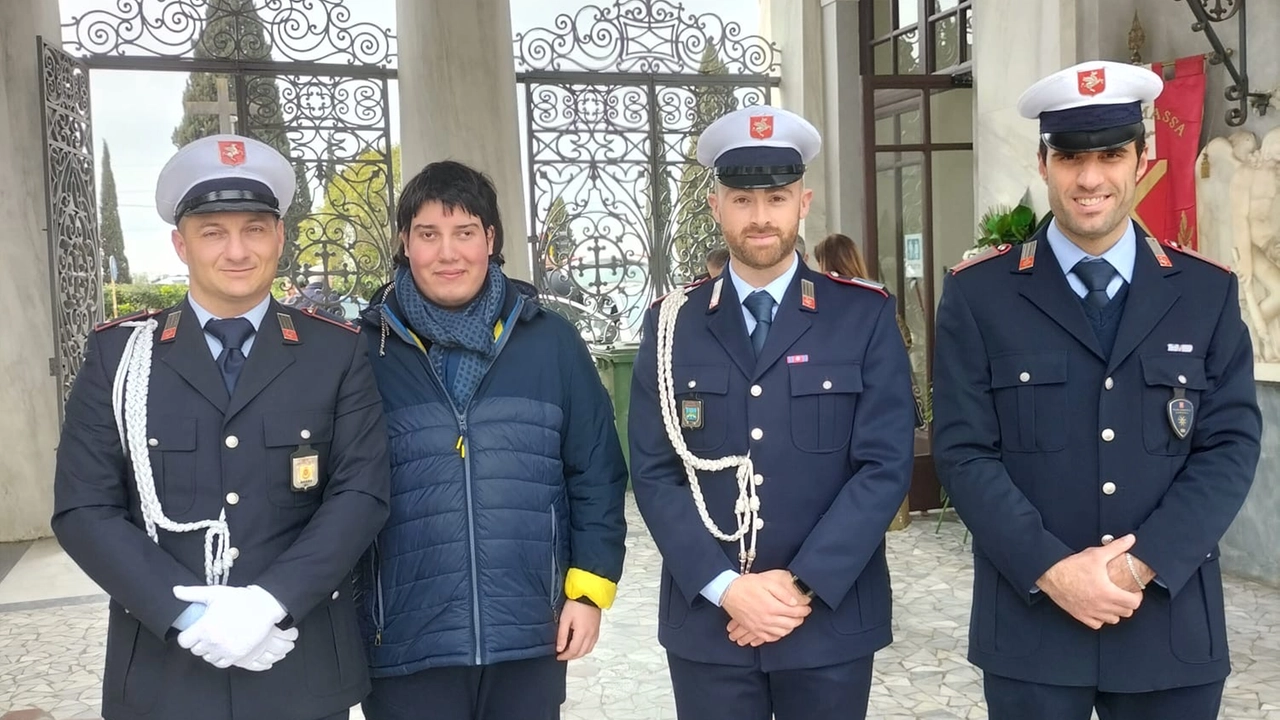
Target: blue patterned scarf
{"points": [[468, 331]]}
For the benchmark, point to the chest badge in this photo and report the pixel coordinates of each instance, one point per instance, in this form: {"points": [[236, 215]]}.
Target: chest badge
{"points": [[691, 414], [1182, 414], [306, 465]]}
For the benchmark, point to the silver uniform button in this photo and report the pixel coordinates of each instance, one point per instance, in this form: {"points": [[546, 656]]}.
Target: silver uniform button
{"points": [[757, 433], [1182, 379], [334, 596], [233, 553], [693, 383], [1109, 384], [1025, 377], [153, 442], [232, 441], [756, 390], [1108, 435], [232, 498], [758, 479], [826, 384], [1107, 539], [306, 434], [1108, 488]]}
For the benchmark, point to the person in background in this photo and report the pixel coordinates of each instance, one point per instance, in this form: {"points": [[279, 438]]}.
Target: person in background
{"points": [[715, 262], [839, 254]]}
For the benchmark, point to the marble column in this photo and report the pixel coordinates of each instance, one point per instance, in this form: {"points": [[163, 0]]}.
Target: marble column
{"points": [[458, 101], [843, 147], [1015, 43], [29, 394], [795, 26]]}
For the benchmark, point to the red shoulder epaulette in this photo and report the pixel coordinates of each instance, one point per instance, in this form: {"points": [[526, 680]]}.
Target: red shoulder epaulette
{"points": [[1188, 251], [982, 257], [140, 315], [682, 288], [859, 282], [332, 320]]}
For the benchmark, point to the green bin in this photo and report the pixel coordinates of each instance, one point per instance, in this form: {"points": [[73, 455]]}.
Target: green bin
{"points": [[614, 365]]}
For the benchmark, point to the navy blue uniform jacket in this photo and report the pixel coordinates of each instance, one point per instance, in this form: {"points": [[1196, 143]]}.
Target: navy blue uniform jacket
{"points": [[831, 395], [1046, 447], [299, 546]]}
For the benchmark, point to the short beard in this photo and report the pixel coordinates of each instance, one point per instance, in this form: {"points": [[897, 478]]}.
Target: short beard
{"points": [[762, 258]]}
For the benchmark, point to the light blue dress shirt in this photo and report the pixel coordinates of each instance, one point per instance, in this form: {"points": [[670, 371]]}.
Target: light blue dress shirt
{"points": [[1121, 256], [714, 590]]}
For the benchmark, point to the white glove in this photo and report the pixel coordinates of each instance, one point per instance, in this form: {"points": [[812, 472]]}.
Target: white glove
{"points": [[271, 651], [235, 622]]}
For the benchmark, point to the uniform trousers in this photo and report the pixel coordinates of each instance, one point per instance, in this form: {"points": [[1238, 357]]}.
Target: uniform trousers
{"points": [[518, 690], [1009, 699], [728, 692]]}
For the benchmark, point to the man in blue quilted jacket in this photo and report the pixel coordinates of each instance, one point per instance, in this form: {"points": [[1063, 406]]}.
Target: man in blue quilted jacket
{"points": [[505, 539]]}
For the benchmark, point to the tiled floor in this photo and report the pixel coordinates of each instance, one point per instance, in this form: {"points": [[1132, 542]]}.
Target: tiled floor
{"points": [[52, 630]]}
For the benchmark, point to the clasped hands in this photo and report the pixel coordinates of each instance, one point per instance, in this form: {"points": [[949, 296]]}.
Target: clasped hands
{"points": [[238, 627], [1095, 585], [763, 607]]}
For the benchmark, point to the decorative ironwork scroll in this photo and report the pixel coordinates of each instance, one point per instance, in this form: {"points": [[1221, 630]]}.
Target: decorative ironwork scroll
{"points": [[71, 210], [311, 31], [615, 98], [1238, 92], [303, 76]]}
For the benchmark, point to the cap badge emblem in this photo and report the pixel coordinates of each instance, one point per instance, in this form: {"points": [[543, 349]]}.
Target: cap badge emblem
{"points": [[1091, 82], [231, 152], [761, 127]]}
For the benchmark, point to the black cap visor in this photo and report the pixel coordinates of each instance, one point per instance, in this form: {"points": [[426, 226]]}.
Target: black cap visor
{"points": [[1094, 140], [228, 201], [759, 177]]}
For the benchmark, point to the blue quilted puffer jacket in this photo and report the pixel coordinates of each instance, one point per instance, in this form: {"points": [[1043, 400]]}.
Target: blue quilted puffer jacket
{"points": [[491, 504]]}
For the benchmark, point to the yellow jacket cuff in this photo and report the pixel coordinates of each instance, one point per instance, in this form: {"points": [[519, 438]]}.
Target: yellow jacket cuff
{"points": [[599, 590]]}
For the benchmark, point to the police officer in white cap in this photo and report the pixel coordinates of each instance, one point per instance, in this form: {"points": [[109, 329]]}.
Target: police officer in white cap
{"points": [[223, 465], [771, 444], [1096, 427]]}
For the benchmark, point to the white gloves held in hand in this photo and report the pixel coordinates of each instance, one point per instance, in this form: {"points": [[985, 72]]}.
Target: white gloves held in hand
{"points": [[238, 627]]}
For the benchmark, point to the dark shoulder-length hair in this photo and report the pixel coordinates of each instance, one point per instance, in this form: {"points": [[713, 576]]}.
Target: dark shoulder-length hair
{"points": [[455, 186]]}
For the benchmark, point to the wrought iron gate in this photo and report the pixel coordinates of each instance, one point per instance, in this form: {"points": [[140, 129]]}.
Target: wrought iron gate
{"points": [[71, 210], [614, 98], [303, 76]]}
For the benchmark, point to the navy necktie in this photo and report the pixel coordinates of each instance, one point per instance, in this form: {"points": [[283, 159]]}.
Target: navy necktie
{"points": [[232, 333], [1096, 275], [760, 304]]}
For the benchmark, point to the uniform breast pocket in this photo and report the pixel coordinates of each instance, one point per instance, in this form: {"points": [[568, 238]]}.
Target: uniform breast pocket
{"points": [[701, 404], [1171, 402], [1030, 392], [823, 400], [283, 434], [172, 440]]}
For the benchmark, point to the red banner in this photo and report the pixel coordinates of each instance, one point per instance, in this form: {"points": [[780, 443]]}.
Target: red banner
{"points": [[1167, 192]]}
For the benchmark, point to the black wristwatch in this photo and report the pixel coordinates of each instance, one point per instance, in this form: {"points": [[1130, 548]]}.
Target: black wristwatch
{"points": [[804, 589]]}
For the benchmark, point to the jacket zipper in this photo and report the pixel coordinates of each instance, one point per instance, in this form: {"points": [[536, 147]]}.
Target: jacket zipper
{"points": [[555, 560], [463, 446], [377, 584]]}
